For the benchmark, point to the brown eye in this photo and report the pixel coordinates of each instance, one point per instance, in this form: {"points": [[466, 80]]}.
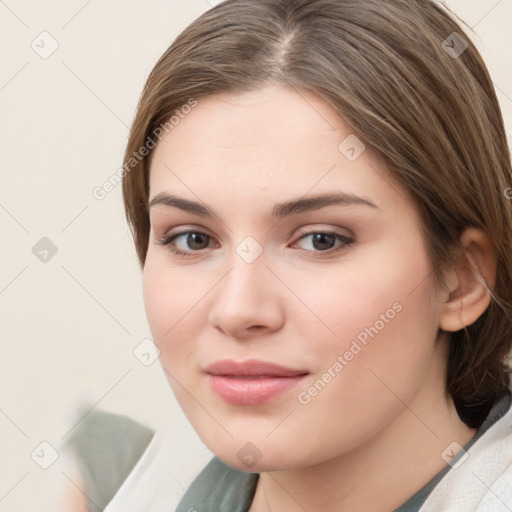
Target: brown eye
{"points": [[320, 241], [186, 242], [196, 241]]}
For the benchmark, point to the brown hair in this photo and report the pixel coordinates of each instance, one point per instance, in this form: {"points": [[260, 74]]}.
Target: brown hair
{"points": [[389, 69]]}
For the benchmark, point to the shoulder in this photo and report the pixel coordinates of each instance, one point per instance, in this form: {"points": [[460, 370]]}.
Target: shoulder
{"points": [[481, 477], [106, 447], [220, 487]]}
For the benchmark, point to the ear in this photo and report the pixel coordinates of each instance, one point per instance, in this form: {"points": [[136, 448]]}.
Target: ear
{"points": [[469, 281]]}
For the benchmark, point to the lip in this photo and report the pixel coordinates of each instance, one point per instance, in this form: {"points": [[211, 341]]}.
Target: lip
{"points": [[251, 382]]}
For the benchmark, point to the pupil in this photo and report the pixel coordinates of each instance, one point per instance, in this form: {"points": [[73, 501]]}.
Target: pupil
{"points": [[321, 239], [195, 238]]}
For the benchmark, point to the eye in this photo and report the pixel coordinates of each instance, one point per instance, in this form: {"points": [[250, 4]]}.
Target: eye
{"points": [[191, 241], [320, 241], [186, 243]]}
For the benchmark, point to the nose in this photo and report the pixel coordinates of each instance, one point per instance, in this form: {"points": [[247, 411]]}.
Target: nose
{"points": [[247, 300]]}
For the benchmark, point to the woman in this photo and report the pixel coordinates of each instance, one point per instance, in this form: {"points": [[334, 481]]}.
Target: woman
{"points": [[316, 191]]}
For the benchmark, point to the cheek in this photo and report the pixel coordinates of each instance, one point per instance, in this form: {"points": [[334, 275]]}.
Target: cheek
{"points": [[385, 347], [383, 322], [358, 302], [171, 301], [362, 385]]}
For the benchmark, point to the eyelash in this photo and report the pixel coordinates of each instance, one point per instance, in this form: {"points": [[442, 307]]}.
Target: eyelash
{"points": [[167, 241]]}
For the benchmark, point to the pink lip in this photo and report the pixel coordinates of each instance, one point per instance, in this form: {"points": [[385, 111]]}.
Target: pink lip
{"points": [[251, 382]]}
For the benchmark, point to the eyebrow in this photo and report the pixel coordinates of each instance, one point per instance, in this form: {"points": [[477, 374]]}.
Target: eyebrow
{"points": [[279, 211]]}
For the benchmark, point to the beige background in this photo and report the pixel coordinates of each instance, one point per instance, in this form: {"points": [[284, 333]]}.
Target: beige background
{"points": [[69, 326]]}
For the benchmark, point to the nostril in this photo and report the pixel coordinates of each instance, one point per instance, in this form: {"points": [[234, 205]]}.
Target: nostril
{"points": [[256, 327]]}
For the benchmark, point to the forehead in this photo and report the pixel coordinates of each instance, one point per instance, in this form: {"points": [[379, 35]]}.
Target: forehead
{"points": [[276, 117], [272, 140]]}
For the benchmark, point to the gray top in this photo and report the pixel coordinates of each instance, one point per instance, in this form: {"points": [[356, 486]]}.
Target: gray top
{"points": [[219, 487], [106, 446]]}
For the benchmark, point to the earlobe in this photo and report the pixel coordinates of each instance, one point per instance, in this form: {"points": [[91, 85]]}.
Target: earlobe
{"points": [[469, 282]]}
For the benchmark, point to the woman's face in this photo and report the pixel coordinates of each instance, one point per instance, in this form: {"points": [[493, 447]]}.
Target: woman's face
{"points": [[337, 292]]}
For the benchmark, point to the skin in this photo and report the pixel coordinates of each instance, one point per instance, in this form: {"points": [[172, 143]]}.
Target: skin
{"points": [[375, 434], [74, 498]]}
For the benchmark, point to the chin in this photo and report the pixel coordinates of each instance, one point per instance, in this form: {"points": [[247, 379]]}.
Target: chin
{"points": [[255, 454], [251, 466]]}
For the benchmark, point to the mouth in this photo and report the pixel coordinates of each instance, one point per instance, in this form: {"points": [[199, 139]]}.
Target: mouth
{"points": [[251, 382]]}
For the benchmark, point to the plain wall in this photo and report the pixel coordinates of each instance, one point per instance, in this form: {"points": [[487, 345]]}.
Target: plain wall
{"points": [[69, 325]]}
